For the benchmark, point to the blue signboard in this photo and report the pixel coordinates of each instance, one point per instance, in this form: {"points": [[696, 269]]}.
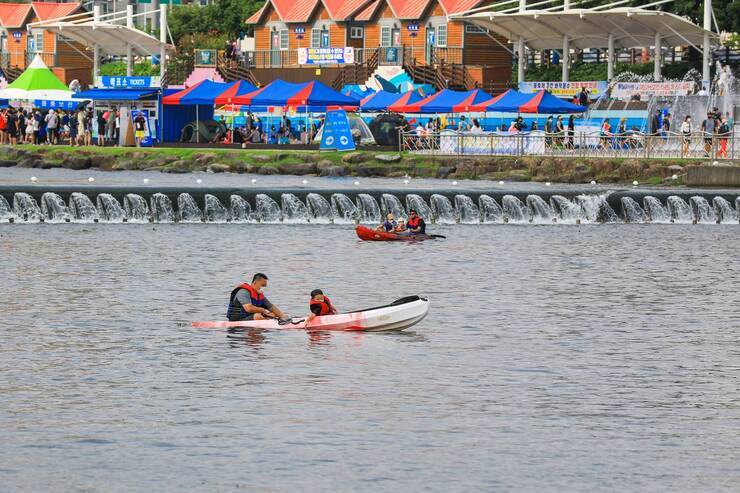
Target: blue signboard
{"points": [[412, 27], [337, 133], [50, 104], [299, 30], [136, 81]]}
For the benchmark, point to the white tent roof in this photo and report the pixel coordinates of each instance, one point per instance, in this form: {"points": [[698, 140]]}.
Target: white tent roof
{"points": [[112, 38], [631, 27]]}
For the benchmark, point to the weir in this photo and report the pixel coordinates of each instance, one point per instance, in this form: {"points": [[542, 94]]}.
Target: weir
{"points": [[87, 204]]}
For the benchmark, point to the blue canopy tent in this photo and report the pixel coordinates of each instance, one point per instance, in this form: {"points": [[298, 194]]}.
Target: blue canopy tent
{"points": [[380, 101], [544, 102], [204, 92], [445, 101], [508, 102], [312, 96]]}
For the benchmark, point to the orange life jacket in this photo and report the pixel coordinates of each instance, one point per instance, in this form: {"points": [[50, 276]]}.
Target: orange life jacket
{"points": [[326, 307]]}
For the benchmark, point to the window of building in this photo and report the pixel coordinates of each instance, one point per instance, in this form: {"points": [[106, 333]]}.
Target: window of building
{"points": [[471, 29], [385, 36], [442, 35], [39, 42], [320, 37], [356, 32], [283, 39]]}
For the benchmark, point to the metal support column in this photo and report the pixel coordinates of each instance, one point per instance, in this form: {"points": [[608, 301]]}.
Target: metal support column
{"points": [[610, 58], [658, 57], [706, 50], [566, 58], [129, 48]]}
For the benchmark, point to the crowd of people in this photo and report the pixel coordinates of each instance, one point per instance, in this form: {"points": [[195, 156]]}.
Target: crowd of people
{"points": [[57, 126], [255, 131]]}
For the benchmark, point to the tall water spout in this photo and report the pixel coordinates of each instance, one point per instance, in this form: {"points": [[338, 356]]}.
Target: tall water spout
{"points": [[213, 210], [391, 203], [5, 211], [679, 210], [268, 211], [442, 210], [514, 209], [136, 208], [632, 211], [368, 208], [319, 209], [293, 209], [82, 208], [566, 210], [187, 209], [241, 210], [414, 201], [490, 211], [54, 209], [110, 209], [25, 207], [703, 212], [724, 210], [344, 209], [161, 207], [539, 210]]}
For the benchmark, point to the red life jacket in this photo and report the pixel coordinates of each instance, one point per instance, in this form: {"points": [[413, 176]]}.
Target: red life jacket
{"points": [[413, 222], [326, 307], [258, 298], [236, 310]]}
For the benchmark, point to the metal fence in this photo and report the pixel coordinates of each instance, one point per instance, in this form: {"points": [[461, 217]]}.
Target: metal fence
{"points": [[629, 145]]}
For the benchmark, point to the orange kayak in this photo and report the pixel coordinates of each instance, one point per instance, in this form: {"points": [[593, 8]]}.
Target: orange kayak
{"points": [[369, 234]]}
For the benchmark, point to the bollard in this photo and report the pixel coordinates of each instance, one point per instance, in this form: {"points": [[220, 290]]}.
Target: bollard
{"points": [[67, 220], [41, 219], [151, 219], [125, 220], [96, 220], [506, 220], [578, 220], [11, 220], [694, 221]]}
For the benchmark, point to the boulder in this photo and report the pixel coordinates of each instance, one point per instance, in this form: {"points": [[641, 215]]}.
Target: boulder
{"points": [[307, 157], [125, 165], [388, 158], [366, 170], [7, 163], [28, 162], [298, 169], [444, 171], [103, 162], [219, 168], [268, 170], [354, 158], [323, 164], [204, 158], [77, 163], [44, 164], [675, 168], [170, 169], [333, 171], [262, 158], [179, 166]]}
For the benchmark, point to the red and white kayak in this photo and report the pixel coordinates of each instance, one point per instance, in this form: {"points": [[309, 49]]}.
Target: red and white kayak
{"points": [[368, 234], [400, 314]]}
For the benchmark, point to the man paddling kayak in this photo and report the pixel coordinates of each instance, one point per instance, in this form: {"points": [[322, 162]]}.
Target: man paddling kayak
{"points": [[247, 302], [415, 224]]}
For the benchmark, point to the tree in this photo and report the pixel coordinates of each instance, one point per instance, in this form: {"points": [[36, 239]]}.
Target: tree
{"points": [[223, 16]]}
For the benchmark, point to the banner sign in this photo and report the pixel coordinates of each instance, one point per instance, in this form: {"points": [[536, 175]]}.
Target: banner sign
{"points": [[132, 82], [320, 56], [336, 133], [565, 89], [625, 90], [62, 105]]}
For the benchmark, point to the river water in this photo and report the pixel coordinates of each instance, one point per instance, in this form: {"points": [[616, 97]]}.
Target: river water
{"points": [[554, 358]]}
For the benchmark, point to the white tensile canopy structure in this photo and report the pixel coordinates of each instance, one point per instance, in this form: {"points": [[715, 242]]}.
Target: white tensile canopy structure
{"points": [[112, 34], [563, 27]]}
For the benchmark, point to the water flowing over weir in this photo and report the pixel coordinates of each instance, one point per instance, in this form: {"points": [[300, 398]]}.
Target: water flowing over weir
{"points": [[56, 204]]}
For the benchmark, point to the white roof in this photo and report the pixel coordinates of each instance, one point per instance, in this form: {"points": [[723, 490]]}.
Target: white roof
{"points": [[111, 38], [631, 27]]}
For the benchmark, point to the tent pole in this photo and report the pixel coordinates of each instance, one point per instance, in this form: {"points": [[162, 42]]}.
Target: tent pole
{"points": [[197, 124]]}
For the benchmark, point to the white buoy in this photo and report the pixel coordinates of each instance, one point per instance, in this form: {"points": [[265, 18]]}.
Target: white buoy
{"points": [[146, 180], [501, 182], [635, 183], [305, 182], [593, 182], [454, 182], [254, 180], [674, 177], [357, 182], [547, 183], [33, 179], [198, 181], [91, 179], [716, 163]]}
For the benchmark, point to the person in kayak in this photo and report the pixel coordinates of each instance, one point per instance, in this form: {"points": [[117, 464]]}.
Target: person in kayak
{"points": [[389, 224], [247, 302], [415, 224], [320, 305]]}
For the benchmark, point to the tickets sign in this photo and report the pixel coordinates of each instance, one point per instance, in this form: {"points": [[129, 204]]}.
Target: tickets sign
{"points": [[326, 56], [595, 88], [625, 90]]}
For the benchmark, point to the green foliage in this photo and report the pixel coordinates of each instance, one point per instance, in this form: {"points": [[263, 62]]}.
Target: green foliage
{"points": [[597, 71], [119, 68], [224, 18]]}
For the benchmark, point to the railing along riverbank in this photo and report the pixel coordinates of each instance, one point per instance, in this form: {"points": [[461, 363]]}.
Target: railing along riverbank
{"points": [[698, 145]]}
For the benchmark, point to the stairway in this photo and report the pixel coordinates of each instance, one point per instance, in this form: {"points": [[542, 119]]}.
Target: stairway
{"points": [[202, 73]]}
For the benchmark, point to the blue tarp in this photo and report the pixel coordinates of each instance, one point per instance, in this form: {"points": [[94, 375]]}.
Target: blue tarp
{"points": [[118, 94]]}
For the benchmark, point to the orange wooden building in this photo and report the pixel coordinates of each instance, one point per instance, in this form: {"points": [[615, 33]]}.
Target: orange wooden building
{"points": [[66, 58], [413, 34]]}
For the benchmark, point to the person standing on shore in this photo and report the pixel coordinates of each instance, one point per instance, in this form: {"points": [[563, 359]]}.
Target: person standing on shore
{"points": [[52, 122], [3, 126]]}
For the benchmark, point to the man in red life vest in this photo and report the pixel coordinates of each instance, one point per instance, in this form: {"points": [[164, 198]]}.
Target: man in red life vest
{"points": [[415, 224], [320, 305], [247, 302]]}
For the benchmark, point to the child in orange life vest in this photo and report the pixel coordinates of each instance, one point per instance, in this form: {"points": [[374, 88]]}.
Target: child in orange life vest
{"points": [[320, 305]]}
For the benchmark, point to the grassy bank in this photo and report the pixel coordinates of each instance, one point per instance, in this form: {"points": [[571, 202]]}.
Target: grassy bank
{"points": [[293, 162]]}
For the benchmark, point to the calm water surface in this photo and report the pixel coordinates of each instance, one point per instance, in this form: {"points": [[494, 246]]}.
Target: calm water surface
{"points": [[554, 358]]}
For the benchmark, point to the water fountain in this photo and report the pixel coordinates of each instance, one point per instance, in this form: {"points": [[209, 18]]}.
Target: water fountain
{"points": [[596, 209], [5, 211], [187, 209], [319, 209], [539, 210], [514, 209], [110, 209], [136, 208], [725, 212], [26, 208], [703, 212], [632, 211], [655, 210], [267, 210], [82, 209], [391, 203], [213, 210], [567, 210], [293, 209], [368, 208], [240, 209], [490, 211], [54, 209], [344, 209], [161, 207], [414, 201], [467, 211], [442, 210], [679, 210]]}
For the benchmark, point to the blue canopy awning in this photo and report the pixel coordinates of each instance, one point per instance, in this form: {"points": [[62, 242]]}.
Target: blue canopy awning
{"points": [[118, 94]]}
